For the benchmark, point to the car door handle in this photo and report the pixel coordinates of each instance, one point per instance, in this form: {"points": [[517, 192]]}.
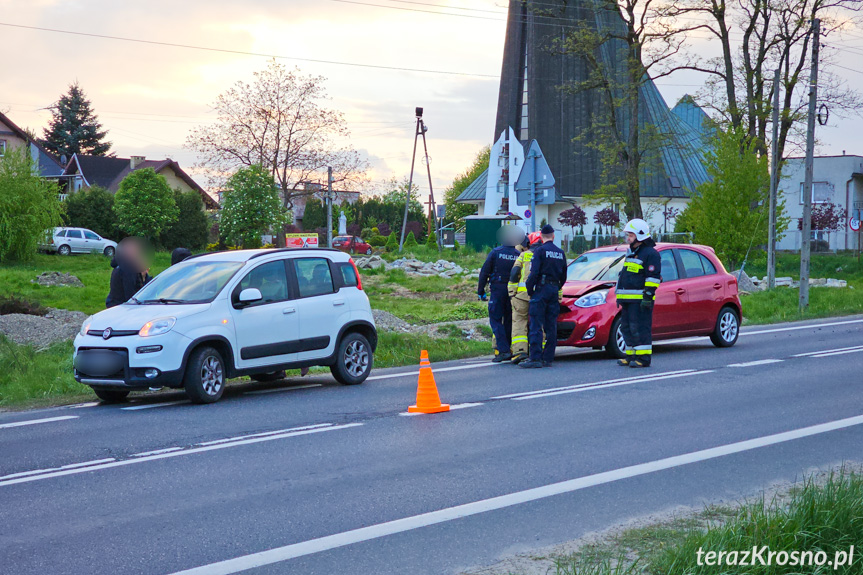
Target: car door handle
{"points": [[288, 310], [680, 291], [717, 286], [338, 302]]}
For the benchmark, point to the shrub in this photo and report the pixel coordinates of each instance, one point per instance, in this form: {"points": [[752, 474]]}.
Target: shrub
{"points": [[14, 304], [431, 241], [378, 241], [191, 230], [384, 229], [213, 247], [392, 243], [411, 241], [251, 207], [29, 206], [92, 208], [144, 204]]}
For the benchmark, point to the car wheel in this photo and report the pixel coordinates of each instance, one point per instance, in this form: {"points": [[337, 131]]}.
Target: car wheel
{"points": [[353, 360], [727, 328], [109, 251], [64, 250], [616, 346], [111, 395], [368, 251], [266, 377], [205, 376]]}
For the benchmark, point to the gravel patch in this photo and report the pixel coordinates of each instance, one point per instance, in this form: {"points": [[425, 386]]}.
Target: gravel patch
{"points": [[385, 321], [57, 279], [40, 332]]}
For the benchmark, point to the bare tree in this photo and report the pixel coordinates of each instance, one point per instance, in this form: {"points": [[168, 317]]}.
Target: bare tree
{"points": [[278, 121]]}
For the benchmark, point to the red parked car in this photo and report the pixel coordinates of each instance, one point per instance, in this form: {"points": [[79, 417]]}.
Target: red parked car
{"points": [[697, 297], [352, 244]]}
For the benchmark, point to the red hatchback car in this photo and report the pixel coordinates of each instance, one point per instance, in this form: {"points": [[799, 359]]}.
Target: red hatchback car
{"points": [[352, 244], [697, 297]]}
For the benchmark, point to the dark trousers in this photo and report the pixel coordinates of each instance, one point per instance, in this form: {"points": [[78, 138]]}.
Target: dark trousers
{"points": [[543, 312], [500, 317], [637, 327]]}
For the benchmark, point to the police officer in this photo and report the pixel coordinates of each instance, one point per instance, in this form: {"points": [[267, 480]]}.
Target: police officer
{"points": [[544, 285], [518, 296], [495, 272], [636, 292]]}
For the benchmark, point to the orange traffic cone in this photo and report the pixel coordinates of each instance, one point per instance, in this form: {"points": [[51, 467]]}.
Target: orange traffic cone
{"points": [[428, 400]]}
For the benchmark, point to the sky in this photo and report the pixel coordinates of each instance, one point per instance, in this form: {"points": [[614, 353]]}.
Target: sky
{"points": [[149, 97]]}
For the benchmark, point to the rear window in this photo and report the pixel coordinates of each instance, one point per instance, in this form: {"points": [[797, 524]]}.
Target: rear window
{"points": [[709, 268], [61, 234], [348, 275], [73, 234]]}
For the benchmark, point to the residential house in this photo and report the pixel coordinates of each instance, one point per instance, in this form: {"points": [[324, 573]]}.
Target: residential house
{"points": [[12, 137], [107, 172], [836, 180]]}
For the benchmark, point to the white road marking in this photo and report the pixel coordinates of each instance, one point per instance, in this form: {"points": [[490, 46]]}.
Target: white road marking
{"points": [[278, 389], [838, 353], [435, 370], [623, 379], [152, 405], [80, 405], [799, 327], [156, 452], [36, 421], [808, 353], [451, 408], [345, 538], [174, 454], [72, 466], [756, 362], [594, 386], [265, 434]]}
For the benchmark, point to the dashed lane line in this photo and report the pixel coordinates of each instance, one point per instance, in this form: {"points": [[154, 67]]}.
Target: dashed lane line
{"points": [[633, 379], [37, 421], [380, 530], [838, 353], [280, 389], [811, 353], [67, 470], [154, 405], [71, 466], [451, 408], [605, 385], [756, 362]]}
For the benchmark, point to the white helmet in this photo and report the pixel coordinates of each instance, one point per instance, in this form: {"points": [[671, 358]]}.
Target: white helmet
{"points": [[639, 228]]}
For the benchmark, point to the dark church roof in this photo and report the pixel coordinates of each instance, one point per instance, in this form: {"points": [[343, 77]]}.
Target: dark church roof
{"points": [[556, 118]]}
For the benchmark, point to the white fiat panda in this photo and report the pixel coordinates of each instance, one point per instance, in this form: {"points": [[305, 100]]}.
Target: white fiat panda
{"points": [[222, 315]]}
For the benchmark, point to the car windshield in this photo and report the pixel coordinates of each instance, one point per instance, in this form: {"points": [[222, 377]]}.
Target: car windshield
{"points": [[188, 282], [598, 266]]}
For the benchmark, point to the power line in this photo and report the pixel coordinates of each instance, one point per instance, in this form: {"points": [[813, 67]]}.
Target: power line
{"points": [[498, 11], [243, 53], [405, 9]]}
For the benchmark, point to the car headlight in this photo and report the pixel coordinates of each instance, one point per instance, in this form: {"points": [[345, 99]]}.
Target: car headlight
{"points": [[592, 299], [157, 326], [85, 327]]}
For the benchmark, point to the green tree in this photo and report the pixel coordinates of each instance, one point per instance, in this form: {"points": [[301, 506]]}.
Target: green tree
{"points": [[74, 128], [455, 212], [411, 241], [144, 204], [92, 208], [29, 206], [251, 206], [729, 212], [431, 241], [192, 228], [315, 215]]}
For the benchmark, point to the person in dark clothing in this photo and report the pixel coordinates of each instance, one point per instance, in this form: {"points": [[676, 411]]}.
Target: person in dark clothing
{"points": [[495, 273], [179, 254], [636, 292], [544, 285], [130, 273]]}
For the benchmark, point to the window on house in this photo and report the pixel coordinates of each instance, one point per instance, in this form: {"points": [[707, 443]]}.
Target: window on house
{"points": [[2, 148], [822, 192]]}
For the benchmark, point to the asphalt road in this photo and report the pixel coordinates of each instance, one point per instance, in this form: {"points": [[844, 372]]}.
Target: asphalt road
{"points": [[311, 477]]}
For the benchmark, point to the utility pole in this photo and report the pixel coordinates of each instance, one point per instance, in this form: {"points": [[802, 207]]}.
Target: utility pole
{"points": [[432, 206], [774, 185], [807, 185], [329, 207]]}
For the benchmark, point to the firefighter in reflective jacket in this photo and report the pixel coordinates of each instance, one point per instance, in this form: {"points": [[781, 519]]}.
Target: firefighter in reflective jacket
{"points": [[518, 295], [495, 273], [636, 292]]}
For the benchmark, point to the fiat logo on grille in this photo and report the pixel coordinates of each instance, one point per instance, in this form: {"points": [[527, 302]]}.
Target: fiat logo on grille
{"points": [[107, 333]]}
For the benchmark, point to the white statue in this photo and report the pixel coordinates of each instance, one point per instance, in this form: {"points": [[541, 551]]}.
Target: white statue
{"points": [[343, 224]]}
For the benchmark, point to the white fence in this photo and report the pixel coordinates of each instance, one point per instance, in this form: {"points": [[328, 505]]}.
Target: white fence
{"points": [[822, 241]]}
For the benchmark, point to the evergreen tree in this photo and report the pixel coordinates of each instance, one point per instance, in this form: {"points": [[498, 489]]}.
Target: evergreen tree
{"points": [[431, 241], [74, 128], [411, 241], [392, 243]]}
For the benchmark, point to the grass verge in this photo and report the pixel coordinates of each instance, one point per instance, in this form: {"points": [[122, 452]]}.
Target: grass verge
{"points": [[820, 514]]}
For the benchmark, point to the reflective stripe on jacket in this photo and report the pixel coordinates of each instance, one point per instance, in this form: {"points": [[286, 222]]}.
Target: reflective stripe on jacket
{"points": [[641, 273]]}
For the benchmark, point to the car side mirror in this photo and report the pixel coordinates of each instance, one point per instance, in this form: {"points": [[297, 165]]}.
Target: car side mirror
{"points": [[249, 296]]}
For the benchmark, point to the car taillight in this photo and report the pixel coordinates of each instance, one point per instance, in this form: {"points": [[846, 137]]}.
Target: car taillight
{"points": [[359, 278]]}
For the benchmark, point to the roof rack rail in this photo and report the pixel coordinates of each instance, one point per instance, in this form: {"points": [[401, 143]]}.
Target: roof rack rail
{"points": [[280, 250]]}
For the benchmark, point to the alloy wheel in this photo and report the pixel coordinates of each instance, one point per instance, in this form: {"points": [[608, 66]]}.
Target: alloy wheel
{"points": [[621, 343], [212, 375], [728, 326], [356, 358]]}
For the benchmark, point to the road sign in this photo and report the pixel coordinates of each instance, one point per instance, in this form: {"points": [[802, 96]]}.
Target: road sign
{"points": [[301, 240], [854, 224], [527, 213], [535, 175]]}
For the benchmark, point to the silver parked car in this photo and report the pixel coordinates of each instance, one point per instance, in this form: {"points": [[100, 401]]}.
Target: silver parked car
{"points": [[66, 241]]}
